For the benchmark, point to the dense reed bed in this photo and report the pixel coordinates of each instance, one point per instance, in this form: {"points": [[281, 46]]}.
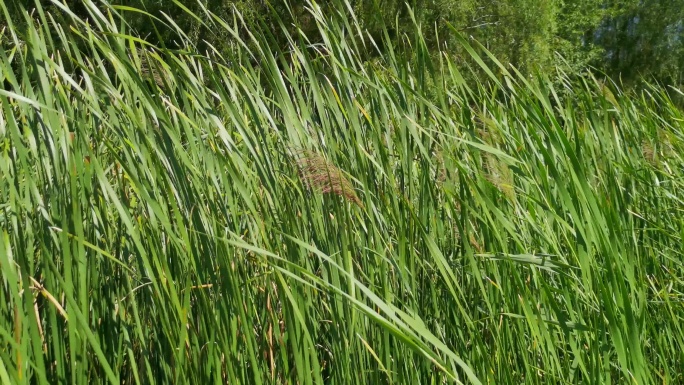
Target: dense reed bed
{"points": [[308, 216]]}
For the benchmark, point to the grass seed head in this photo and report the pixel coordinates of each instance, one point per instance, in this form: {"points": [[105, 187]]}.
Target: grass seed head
{"points": [[317, 173], [498, 174]]}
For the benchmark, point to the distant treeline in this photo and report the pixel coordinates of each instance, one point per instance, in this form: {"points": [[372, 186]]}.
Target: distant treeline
{"points": [[628, 40]]}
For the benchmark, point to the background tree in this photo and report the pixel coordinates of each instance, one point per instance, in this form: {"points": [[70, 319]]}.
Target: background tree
{"points": [[642, 38], [626, 39]]}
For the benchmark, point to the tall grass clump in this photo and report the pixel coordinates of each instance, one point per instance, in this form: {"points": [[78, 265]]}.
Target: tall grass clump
{"points": [[300, 216]]}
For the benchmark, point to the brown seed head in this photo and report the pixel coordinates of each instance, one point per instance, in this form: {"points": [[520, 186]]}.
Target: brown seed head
{"points": [[319, 174]]}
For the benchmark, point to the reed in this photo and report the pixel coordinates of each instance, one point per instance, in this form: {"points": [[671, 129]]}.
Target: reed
{"points": [[163, 234]]}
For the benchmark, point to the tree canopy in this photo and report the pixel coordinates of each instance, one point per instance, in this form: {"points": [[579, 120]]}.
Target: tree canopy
{"points": [[626, 39]]}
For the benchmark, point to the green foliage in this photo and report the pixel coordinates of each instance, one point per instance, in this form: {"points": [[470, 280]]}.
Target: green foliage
{"points": [[574, 41], [177, 215], [645, 39], [626, 39]]}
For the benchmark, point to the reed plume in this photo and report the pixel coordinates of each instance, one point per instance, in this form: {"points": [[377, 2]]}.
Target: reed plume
{"points": [[317, 173]]}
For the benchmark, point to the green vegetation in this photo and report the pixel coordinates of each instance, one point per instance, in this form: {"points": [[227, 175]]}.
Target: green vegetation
{"points": [[252, 215], [625, 39]]}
